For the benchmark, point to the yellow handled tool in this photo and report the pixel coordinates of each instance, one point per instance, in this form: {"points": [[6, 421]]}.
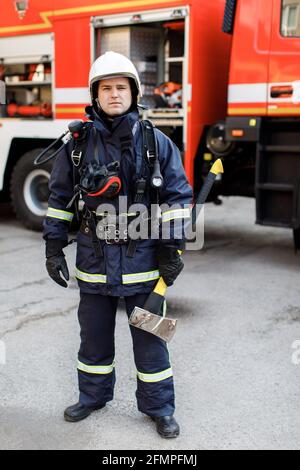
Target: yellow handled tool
{"points": [[149, 318], [216, 169]]}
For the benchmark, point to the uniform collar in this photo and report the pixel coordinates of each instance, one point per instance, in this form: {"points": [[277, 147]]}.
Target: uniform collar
{"points": [[119, 123]]}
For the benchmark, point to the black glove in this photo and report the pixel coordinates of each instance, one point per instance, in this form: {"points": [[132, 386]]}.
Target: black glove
{"points": [[169, 262], [56, 262]]}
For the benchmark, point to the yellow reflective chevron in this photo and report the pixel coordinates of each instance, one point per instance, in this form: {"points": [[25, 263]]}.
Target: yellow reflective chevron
{"points": [[59, 214], [95, 278], [96, 369], [175, 214], [140, 277], [157, 377]]}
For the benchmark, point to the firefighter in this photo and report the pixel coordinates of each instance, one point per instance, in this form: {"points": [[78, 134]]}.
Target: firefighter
{"points": [[114, 267]]}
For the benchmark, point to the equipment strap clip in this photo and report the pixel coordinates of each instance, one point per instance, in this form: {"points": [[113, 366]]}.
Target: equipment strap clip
{"points": [[141, 186], [76, 157]]}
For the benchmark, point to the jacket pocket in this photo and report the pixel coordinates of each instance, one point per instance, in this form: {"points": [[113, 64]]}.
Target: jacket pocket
{"points": [[143, 267], [89, 268]]}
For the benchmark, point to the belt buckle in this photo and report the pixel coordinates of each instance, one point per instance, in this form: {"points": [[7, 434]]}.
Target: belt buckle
{"points": [[114, 232], [109, 231]]}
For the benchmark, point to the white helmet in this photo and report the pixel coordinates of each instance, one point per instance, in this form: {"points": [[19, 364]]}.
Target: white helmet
{"points": [[112, 64]]}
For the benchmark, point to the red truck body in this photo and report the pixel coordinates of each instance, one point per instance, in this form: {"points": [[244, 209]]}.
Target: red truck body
{"points": [[240, 91]]}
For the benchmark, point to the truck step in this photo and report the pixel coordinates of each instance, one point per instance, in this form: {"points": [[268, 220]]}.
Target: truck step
{"points": [[277, 184], [280, 148], [275, 187], [273, 223]]}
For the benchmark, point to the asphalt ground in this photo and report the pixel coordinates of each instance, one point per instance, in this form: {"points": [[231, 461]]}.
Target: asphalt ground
{"points": [[235, 354]]}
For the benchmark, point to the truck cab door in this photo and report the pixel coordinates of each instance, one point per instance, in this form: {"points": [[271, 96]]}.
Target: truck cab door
{"points": [[284, 62]]}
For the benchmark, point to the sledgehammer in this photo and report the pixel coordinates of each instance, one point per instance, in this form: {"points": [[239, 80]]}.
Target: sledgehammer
{"points": [[149, 318]]}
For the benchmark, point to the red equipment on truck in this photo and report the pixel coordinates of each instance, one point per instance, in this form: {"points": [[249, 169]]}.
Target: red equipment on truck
{"points": [[260, 139], [232, 94]]}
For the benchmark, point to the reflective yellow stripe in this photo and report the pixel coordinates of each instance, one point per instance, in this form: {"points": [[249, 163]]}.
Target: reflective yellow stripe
{"points": [[68, 110], [140, 277], [45, 17], [117, 215], [96, 369], [126, 278], [99, 278], [58, 214], [175, 214], [157, 377]]}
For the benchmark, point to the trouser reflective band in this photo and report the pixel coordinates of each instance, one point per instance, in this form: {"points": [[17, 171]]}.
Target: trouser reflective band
{"points": [[99, 278], [175, 214], [96, 369], [58, 214], [140, 277], [157, 377]]}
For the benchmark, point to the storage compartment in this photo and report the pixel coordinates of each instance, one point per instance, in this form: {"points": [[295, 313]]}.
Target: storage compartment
{"points": [[141, 45], [157, 49], [28, 90]]}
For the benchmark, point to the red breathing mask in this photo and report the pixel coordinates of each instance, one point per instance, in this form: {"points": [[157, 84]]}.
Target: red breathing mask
{"points": [[100, 180]]}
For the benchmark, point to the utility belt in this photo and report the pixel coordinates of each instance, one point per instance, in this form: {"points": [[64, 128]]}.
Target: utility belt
{"points": [[112, 229]]}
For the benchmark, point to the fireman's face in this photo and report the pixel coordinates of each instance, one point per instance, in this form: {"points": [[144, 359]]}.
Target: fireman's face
{"points": [[114, 95]]}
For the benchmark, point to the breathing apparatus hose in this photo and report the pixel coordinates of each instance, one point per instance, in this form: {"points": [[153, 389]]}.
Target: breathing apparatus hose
{"points": [[74, 129], [39, 161]]}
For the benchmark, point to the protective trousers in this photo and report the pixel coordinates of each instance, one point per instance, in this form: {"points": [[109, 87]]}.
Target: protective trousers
{"points": [[96, 368]]}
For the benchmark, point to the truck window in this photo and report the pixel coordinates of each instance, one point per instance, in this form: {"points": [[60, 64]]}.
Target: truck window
{"points": [[290, 19]]}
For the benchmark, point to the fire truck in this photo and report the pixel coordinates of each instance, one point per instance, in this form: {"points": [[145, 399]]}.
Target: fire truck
{"points": [[220, 78]]}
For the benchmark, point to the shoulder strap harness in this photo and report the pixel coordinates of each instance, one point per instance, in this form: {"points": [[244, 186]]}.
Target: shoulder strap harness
{"points": [[149, 156]]}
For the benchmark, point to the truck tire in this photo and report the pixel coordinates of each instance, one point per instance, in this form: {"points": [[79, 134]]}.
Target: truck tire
{"points": [[29, 190]]}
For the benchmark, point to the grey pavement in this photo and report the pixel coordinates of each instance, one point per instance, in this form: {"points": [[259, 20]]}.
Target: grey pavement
{"points": [[237, 375]]}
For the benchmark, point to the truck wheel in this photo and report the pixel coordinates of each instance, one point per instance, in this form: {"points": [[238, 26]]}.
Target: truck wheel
{"points": [[29, 190]]}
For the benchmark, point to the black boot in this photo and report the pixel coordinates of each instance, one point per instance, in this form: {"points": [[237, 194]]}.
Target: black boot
{"points": [[166, 426], [78, 412]]}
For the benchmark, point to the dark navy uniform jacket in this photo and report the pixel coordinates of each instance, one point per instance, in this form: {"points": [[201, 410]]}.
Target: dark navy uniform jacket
{"points": [[115, 273]]}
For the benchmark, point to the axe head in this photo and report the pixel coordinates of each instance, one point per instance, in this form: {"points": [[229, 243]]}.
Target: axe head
{"points": [[163, 327]]}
